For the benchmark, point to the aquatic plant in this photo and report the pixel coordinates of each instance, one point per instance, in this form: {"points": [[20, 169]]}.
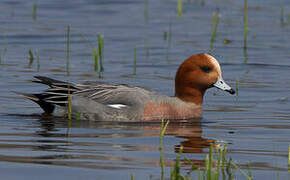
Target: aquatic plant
{"points": [[96, 60], [164, 35], [78, 116], [289, 157], [245, 23], [215, 22], [69, 104], [237, 87], [169, 40], [179, 8], [67, 48], [282, 15], [217, 165], [101, 51], [161, 136], [31, 58], [34, 12]]}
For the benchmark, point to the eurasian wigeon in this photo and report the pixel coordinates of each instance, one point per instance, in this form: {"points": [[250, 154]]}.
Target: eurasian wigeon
{"points": [[99, 101]]}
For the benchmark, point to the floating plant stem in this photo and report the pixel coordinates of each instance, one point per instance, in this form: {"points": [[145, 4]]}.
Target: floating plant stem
{"points": [[34, 13], [67, 48], [162, 132], [179, 8], [31, 57], [101, 51], [96, 60], [135, 55], [215, 22], [245, 23]]}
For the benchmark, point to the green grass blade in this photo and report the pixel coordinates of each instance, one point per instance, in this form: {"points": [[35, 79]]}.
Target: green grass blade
{"points": [[215, 22], [101, 51], [96, 60], [161, 136], [245, 23], [34, 12], [179, 8], [31, 57]]}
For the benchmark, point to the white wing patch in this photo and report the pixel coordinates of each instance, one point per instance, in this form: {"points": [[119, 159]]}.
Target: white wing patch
{"points": [[117, 106]]}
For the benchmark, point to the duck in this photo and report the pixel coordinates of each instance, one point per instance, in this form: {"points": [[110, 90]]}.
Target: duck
{"points": [[102, 101]]}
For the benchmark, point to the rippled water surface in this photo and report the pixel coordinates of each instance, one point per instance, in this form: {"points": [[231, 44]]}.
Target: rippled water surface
{"points": [[255, 124]]}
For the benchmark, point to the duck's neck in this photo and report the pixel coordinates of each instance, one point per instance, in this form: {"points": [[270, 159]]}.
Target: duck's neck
{"points": [[189, 94]]}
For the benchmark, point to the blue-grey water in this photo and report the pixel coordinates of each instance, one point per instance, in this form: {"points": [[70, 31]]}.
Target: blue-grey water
{"points": [[255, 124]]}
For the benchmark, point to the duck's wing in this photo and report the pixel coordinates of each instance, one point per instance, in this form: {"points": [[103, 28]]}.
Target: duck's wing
{"points": [[104, 93], [108, 93]]}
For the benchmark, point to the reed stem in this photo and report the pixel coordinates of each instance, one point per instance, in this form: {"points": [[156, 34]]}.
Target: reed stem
{"points": [[179, 8], [67, 48], [245, 24]]}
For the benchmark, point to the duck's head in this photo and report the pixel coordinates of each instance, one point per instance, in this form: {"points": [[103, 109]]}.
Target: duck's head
{"points": [[195, 75]]}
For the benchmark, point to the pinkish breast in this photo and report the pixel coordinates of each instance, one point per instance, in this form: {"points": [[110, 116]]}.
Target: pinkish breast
{"points": [[158, 111]]}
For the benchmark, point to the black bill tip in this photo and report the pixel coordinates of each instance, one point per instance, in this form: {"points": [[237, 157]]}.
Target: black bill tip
{"points": [[231, 91]]}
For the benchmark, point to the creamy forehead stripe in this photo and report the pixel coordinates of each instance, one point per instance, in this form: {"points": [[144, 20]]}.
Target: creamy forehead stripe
{"points": [[215, 64]]}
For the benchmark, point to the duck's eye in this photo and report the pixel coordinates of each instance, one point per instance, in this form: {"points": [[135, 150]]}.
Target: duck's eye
{"points": [[206, 69]]}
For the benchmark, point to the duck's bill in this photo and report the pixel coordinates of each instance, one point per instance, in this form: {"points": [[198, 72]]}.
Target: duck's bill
{"points": [[221, 84]]}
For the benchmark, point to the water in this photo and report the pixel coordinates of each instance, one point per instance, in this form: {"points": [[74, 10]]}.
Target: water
{"points": [[255, 123]]}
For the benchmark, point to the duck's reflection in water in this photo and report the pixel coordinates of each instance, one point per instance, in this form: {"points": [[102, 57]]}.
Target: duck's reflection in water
{"points": [[190, 131], [120, 135]]}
